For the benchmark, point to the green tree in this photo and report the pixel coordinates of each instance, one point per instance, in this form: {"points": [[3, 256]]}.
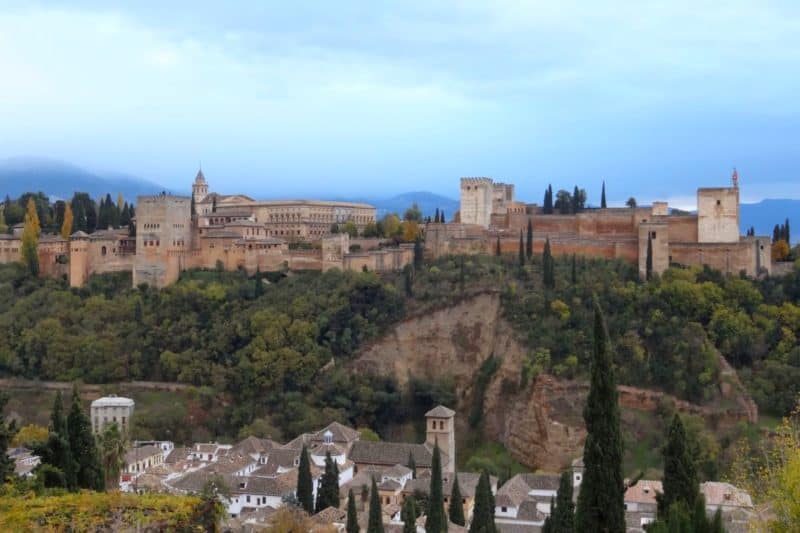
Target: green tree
{"points": [[112, 453], [631, 202], [442, 219], [259, 283], [436, 520], [548, 266], [328, 492], [56, 451], [375, 521], [529, 240], [600, 500], [648, 265], [547, 206], [82, 445], [455, 512], [305, 485], [603, 197], [6, 434], [483, 512], [547, 527], [419, 253], [497, 251], [408, 515], [66, 225], [436, 216], [680, 481], [352, 514], [210, 511], [574, 272], [521, 251], [413, 214], [563, 514], [412, 465]]}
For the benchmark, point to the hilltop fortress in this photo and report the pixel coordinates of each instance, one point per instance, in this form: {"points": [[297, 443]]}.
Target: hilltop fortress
{"points": [[214, 231], [490, 216]]}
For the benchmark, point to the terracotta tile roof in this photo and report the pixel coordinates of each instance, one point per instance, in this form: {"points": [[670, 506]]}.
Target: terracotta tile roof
{"points": [[529, 513], [717, 493], [440, 411], [177, 454], [142, 453], [390, 453], [513, 492], [542, 481], [643, 492], [252, 445], [340, 433], [283, 457], [329, 515]]}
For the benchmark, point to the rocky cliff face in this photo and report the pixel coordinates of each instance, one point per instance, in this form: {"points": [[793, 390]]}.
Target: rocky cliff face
{"points": [[540, 423]]}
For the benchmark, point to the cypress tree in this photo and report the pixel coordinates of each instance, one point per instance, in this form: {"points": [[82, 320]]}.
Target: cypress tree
{"points": [[305, 485], [193, 211], [529, 241], [680, 476], [328, 493], [82, 445], [547, 527], [441, 217], [563, 514], [521, 251], [776, 233], [56, 451], [412, 465], [574, 273], [418, 253], [456, 510], [6, 434], [29, 248], [787, 233], [375, 523], [259, 283], [600, 500], [483, 513], [603, 197], [576, 200], [548, 268], [352, 515], [436, 520], [436, 217], [497, 251], [408, 515], [648, 263]]}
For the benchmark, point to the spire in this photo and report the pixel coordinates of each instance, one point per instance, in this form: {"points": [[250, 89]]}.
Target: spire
{"points": [[735, 178], [200, 178]]}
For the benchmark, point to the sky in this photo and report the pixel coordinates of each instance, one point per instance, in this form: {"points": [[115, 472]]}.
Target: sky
{"points": [[360, 99]]}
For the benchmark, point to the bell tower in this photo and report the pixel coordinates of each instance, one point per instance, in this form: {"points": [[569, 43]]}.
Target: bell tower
{"points": [[440, 431], [199, 187]]}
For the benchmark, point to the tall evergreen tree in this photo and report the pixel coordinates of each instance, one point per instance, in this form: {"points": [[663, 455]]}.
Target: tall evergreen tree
{"points": [[787, 233], [82, 445], [375, 521], [6, 434], [576, 199], [529, 241], [352, 514], [483, 512], [497, 251], [66, 225], [56, 451], [408, 515], [563, 515], [436, 520], [455, 512], [328, 493], [600, 501], [680, 475], [521, 251], [419, 253], [603, 197], [305, 485], [412, 465], [648, 263], [574, 272], [29, 248], [436, 216], [548, 266], [259, 283], [547, 527], [441, 217], [193, 208]]}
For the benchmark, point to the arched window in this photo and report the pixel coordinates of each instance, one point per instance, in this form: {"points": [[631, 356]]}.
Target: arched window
{"points": [[103, 250]]}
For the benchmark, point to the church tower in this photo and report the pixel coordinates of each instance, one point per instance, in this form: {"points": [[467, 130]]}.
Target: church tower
{"points": [[199, 187], [440, 430]]}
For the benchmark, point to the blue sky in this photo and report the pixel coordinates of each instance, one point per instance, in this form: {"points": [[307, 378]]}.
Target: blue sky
{"points": [[374, 98]]}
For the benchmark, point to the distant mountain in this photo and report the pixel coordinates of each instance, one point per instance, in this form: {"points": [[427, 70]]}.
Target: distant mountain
{"points": [[428, 202], [60, 180], [765, 214]]}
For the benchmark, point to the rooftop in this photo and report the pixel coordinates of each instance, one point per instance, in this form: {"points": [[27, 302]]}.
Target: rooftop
{"points": [[113, 401]]}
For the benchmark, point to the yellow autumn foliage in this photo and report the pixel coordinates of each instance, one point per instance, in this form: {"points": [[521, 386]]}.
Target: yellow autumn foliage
{"points": [[97, 511]]}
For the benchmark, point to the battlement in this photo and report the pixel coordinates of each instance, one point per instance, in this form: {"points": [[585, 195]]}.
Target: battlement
{"points": [[476, 181]]}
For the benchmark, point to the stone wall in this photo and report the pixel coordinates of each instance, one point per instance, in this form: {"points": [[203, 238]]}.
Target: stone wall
{"points": [[718, 214], [476, 201]]}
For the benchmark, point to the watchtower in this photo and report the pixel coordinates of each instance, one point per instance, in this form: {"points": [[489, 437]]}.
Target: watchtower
{"points": [[476, 201], [718, 213]]}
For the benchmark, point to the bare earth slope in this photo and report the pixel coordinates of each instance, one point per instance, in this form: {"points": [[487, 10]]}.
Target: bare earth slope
{"points": [[540, 423]]}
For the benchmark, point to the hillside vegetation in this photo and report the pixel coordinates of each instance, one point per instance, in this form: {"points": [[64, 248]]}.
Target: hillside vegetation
{"points": [[268, 349]]}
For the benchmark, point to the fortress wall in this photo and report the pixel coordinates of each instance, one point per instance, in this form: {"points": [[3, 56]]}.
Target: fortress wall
{"points": [[718, 214], [682, 228], [727, 257], [551, 224]]}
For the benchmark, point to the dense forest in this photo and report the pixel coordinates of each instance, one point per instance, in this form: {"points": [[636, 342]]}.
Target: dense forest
{"points": [[267, 341]]}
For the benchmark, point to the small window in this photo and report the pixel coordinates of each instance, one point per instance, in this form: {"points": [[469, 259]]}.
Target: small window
{"points": [[504, 509], [103, 250], [719, 202]]}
